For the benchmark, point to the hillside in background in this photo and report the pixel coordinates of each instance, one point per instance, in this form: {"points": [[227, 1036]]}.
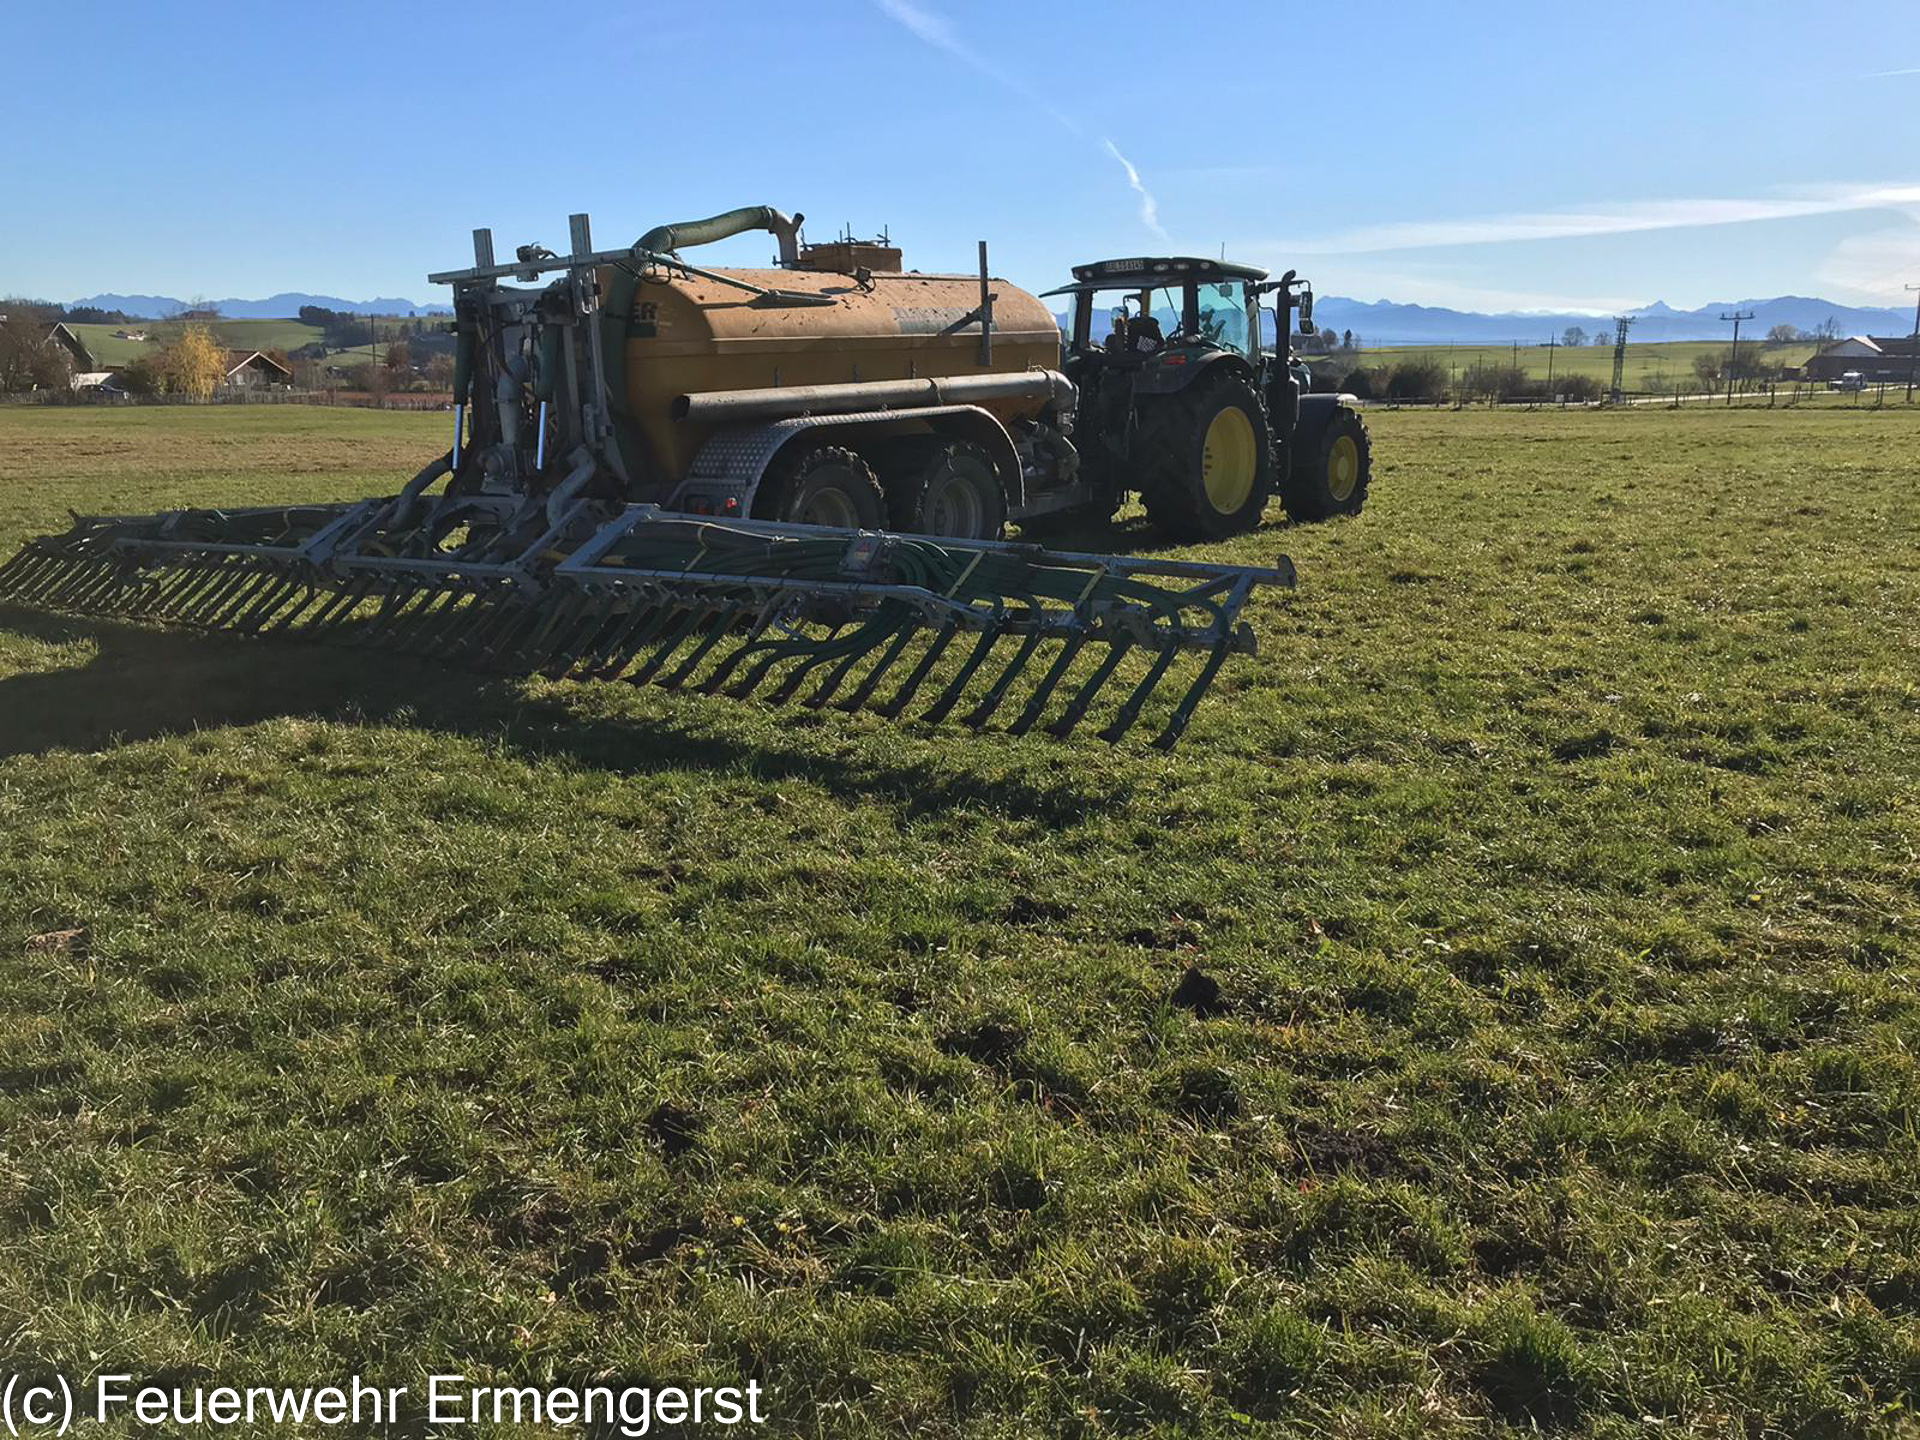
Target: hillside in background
{"points": [[1379, 322], [274, 307]]}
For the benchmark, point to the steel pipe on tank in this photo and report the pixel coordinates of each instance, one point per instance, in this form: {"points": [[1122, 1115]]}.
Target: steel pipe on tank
{"points": [[781, 401]]}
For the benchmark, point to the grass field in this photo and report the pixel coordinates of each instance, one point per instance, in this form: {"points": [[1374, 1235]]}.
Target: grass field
{"points": [[282, 335], [1651, 368], [1555, 861]]}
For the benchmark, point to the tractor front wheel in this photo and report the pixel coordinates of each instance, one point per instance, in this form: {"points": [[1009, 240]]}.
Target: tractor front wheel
{"points": [[823, 485], [1208, 459], [1330, 478]]}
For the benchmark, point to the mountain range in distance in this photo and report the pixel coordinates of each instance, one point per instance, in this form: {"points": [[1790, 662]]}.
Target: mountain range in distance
{"points": [[1386, 323], [284, 306], [1379, 322]]}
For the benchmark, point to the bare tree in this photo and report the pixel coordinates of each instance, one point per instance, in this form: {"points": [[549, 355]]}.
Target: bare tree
{"points": [[30, 358], [1708, 367], [1573, 335]]}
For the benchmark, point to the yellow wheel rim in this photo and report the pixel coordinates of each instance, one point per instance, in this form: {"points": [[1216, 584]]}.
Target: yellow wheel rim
{"points": [[1229, 463], [1343, 468]]}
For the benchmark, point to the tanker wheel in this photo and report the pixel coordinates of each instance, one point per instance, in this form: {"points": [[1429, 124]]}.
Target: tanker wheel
{"points": [[822, 485], [1331, 478], [1208, 458], [945, 487]]}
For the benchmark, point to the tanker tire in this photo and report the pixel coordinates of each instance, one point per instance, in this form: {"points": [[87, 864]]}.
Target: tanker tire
{"points": [[823, 485], [1330, 478], [1206, 475], [944, 487]]}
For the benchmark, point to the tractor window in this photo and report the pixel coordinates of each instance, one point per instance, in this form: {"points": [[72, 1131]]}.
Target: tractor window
{"points": [[1165, 308], [1223, 315]]}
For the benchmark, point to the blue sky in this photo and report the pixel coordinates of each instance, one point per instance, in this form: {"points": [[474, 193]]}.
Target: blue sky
{"points": [[1484, 155]]}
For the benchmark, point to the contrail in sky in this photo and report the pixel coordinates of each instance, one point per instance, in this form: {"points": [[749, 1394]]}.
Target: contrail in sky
{"points": [[936, 30], [1149, 207]]}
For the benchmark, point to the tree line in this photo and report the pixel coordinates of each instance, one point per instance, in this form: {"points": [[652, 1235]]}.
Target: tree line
{"points": [[1423, 378]]}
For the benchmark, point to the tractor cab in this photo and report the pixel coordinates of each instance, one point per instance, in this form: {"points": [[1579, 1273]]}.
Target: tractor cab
{"points": [[1134, 313]]}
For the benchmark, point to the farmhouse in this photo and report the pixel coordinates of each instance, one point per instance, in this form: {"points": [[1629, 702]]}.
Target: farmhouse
{"points": [[255, 370], [75, 347], [1878, 357]]}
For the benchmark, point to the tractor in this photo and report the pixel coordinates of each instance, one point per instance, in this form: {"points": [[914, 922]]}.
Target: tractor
{"points": [[789, 482], [1180, 401]]}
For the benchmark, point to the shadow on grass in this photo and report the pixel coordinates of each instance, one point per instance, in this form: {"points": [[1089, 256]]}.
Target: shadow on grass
{"points": [[147, 683]]}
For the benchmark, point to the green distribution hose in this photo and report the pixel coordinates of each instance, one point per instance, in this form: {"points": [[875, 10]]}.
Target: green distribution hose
{"points": [[735, 607]]}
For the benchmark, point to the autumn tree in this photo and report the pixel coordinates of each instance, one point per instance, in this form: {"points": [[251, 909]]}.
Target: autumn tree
{"points": [[192, 365]]}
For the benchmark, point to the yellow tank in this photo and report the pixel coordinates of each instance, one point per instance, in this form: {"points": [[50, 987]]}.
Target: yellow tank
{"points": [[691, 334]]}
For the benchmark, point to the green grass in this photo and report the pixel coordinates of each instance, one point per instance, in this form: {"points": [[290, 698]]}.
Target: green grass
{"points": [[1650, 368], [283, 335], [1555, 860]]}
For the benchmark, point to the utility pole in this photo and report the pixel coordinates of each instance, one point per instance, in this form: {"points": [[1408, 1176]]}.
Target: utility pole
{"points": [[1733, 356], [1621, 324], [1551, 342], [1913, 346]]}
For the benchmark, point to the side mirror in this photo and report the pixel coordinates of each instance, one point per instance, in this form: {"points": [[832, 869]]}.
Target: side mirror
{"points": [[1306, 308]]}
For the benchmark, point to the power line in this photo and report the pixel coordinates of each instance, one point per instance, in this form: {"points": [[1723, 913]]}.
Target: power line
{"points": [[1733, 356]]}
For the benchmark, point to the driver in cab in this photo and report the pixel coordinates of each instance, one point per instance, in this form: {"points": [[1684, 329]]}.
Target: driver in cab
{"points": [[1134, 334]]}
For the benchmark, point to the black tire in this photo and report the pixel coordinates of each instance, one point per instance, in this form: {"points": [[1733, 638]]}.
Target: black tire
{"points": [[821, 485], [936, 486], [1205, 474], [1330, 477]]}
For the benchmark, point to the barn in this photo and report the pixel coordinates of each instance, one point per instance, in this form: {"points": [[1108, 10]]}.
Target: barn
{"points": [[255, 370], [1880, 358]]}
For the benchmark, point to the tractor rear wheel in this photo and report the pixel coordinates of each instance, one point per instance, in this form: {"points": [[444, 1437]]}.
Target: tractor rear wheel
{"points": [[936, 486], [821, 485], [1330, 478], [1208, 458]]}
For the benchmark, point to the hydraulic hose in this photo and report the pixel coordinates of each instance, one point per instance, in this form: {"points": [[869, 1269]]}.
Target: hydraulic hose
{"points": [[687, 233]]}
